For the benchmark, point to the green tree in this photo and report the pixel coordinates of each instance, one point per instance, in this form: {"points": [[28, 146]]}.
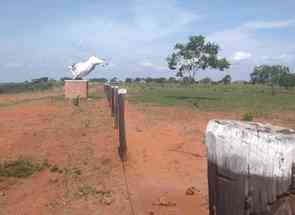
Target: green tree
{"points": [[172, 80], [288, 80], [275, 75], [149, 80], [196, 54], [128, 80], [206, 80], [114, 80], [226, 80], [137, 79]]}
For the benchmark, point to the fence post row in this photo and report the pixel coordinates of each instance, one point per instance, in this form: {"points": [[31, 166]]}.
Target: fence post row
{"points": [[116, 97]]}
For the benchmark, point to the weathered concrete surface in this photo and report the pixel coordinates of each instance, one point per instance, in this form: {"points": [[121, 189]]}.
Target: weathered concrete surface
{"points": [[249, 166]]}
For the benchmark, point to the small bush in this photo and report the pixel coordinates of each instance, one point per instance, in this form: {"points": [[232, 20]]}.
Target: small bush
{"points": [[248, 116], [76, 101]]}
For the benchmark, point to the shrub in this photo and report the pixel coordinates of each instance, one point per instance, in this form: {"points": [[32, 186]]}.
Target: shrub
{"points": [[76, 101], [247, 116]]}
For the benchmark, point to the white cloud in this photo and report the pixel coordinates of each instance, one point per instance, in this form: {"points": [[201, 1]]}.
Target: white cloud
{"points": [[13, 65], [240, 55], [148, 64], [245, 37], [286, 58], [246, 43], [269, 24]]}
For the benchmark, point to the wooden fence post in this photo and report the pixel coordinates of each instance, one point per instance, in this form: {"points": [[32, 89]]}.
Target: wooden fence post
{"points": [[108, 93], [112, 100], [121, 123], [116, 112], [250, 168]]}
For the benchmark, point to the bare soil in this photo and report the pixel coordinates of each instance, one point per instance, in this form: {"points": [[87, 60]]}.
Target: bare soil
{"points": [[166, 156]]}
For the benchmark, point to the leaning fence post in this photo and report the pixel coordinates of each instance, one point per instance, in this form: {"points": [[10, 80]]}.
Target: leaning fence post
{"points": [[249, 168], [121, 123]]}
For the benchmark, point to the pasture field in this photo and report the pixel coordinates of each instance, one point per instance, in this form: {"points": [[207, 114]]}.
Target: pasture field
{"points": [[251, 98], [65, 160]]}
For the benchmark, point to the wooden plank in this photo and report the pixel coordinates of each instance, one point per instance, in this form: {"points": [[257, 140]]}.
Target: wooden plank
{"points": [[249, 167]]}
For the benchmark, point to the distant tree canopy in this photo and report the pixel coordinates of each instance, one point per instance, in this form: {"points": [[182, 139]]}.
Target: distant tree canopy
{"points": [[100, 80], [226, 79], [206, 80], [114, 80], [275, 75], [172, 80], [65, 78], [137, 79], [40, 80], [128, 80], [188, 58]]}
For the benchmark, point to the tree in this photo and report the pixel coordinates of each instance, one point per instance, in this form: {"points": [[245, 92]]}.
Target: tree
{"points": [[114, 80], [288, 80], [276, 75], [172, 80], [160, 80], [226, 80], [128, 80], [100, 80], [40, 80], [65, 78], [194, 55], [149, 80], [137, 79], [206, 80]]}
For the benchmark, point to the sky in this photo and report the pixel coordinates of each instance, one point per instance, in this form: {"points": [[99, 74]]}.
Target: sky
{"points": [[42, 38]]}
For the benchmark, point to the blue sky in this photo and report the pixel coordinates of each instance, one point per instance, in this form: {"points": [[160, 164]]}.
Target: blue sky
{"points": [[42, 38]]}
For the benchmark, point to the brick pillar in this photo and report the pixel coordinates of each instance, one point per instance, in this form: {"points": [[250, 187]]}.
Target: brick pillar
{"points": [[75, 88]]}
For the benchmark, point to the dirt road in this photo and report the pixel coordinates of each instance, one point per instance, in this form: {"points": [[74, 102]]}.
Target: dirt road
{"points": [[166, 156]]}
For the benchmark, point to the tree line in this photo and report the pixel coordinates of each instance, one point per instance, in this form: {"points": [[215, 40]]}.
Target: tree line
{"points": [[273, 75]]}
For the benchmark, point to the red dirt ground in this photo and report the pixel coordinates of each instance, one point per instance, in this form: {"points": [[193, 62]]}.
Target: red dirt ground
{"points": [[166, 155]]}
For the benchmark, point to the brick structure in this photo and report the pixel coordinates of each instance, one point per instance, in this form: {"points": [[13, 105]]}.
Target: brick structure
{"points": [[75, 88]]}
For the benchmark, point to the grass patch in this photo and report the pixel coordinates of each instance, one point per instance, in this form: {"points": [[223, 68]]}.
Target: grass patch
{"points": [[20, 168], [23, 168], [244, 98]]}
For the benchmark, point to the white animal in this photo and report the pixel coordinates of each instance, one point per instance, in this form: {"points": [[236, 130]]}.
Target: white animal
{"points": [[80, 70]]}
